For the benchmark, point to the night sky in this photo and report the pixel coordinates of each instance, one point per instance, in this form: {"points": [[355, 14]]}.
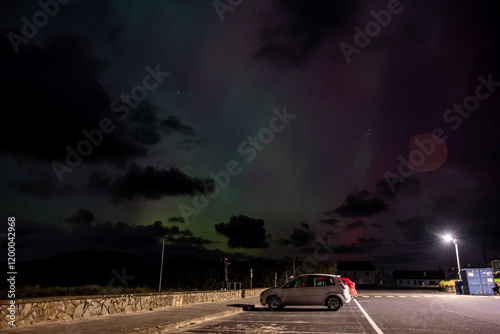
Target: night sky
{"points": [[361, 130]]}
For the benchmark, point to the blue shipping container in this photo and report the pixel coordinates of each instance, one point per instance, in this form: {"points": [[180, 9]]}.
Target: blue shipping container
{"points": [[477, 281]]}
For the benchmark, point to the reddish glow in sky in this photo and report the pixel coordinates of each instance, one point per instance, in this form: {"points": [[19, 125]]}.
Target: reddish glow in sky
{"points": [[129, 121]]}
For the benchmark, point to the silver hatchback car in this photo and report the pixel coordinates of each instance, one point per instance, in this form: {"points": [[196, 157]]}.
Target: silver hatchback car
{"points": [[310, 289]]}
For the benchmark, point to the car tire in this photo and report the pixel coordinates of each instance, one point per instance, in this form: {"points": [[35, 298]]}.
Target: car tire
{"points": [[334, 303], [274, 303]]}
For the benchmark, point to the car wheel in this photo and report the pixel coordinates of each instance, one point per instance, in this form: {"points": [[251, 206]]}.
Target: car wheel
{"points": [[334, 303], [274, 302]]}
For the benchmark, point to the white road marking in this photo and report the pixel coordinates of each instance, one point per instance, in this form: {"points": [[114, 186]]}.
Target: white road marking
{"points": [[465, 315], [423, 296], [374, 325]]}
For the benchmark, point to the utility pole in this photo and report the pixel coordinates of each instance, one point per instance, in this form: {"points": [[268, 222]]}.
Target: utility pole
{"points": [[161, 265], [251, 277], [226, 275], [293, 264]]}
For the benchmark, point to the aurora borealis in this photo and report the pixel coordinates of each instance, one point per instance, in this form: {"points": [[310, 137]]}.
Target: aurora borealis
{"points": [[246, 126]]}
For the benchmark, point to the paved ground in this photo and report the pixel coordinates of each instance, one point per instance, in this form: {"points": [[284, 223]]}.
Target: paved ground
{"points": [[156, 321], [393, 311], [379, 312]]}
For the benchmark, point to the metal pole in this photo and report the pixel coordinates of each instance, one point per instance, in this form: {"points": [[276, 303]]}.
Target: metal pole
{"points": [[275, 278], [226, 275], [458, 260], [251, 277], [161, 266]]}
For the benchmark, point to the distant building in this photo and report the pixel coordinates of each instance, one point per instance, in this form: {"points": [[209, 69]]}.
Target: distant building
{"points": [[417, 278], [448, 273], [495, 266], [360, 272], [383, 277]]}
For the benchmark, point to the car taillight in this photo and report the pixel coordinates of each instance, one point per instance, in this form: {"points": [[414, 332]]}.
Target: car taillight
{"points": [[341, 283]]}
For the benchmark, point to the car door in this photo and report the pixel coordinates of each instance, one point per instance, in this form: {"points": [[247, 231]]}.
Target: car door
{"points": [[295, 291], [319, 288]]}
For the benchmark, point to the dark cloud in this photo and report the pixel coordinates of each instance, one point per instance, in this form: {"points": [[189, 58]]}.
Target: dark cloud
{"points": [[35, 240], [176, 220], [143, 124], [470, 211], [332, 221], [355, 225], [306, 25], [85, 232], [322, 245], [300, 237], [147, 183], [173, 124], [83, 216], [284, 242], [369, 240], [360, 206], [188, 144], [43, 187], [244, 231], [189, 240], [305, 226], [54, 94], [122, 235], [417, 229], [7, 4], [486, 210], [365, 245]]}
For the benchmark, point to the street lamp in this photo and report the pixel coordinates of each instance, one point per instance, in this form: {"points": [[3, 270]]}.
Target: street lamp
{"points": [[293, 262], [161, 265], [448, 237]]}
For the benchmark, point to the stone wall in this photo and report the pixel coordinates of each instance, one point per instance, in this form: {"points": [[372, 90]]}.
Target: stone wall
{"points": [[42, 310]]}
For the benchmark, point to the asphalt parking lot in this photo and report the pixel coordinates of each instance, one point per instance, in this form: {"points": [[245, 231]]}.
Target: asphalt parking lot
{"points": [[372, 312]]}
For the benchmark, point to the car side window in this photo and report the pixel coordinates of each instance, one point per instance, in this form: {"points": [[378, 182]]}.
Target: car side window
{"points": [[290, 283], [299, 282], [322, 281]]}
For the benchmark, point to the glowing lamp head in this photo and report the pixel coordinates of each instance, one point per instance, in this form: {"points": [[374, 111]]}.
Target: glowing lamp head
{"points": [[447, 237]]}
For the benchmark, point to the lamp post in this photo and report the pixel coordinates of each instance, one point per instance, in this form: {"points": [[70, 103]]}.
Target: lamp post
{"points": [[448, 237], [161, 266], [293, 264]]}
